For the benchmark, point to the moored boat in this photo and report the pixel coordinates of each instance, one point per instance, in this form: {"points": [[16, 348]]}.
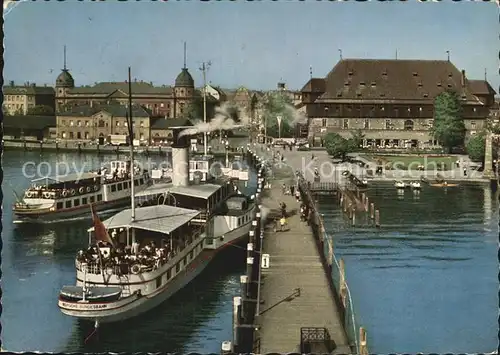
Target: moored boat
{"points": [[158, 248], [65, 196], [415, 185], [444, 184], [399, 184]]}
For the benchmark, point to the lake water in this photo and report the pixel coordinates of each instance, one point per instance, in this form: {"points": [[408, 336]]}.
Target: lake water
{"points": [[38, 260], [427, 281]]}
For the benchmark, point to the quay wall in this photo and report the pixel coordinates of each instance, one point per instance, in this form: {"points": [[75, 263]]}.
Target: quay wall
{"points": [[98, 149]]}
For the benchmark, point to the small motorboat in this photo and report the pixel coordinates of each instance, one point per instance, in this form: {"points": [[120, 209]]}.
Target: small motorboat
{"points": [[399, 184], [444, 184], [415, 185]]}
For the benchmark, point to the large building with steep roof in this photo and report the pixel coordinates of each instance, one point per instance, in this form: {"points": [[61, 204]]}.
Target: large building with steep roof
{"points": [[390, 101]]}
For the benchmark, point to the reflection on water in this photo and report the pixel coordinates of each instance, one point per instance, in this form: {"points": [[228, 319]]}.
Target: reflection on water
{"points": [[433, 262], [38, 260]]}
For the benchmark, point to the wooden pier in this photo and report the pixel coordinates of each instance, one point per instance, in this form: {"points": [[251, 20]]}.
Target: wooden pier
{"points": [[294, 296]]}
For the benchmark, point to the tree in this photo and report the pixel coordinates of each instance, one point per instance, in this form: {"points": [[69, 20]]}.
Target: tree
{"points": [[337, 146], [449, 127], [356, 141], [476, 147], [277, 105], [40, 110]]}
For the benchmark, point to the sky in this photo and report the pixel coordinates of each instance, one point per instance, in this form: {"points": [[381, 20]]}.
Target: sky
{"points": [[252, 44]]}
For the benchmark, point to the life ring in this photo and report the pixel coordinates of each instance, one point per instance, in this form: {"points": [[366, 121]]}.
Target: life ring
{"points": [[73, 192], [96, 187], [157, 264], [81, 190], [65, 193], [28, 194], [89, 189], [46, 194], [135, 269]]}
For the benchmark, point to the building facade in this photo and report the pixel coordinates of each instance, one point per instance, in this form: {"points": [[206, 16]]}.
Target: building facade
{"points": [[99, 121], [19, 99], [390, 101], [165, 101]]}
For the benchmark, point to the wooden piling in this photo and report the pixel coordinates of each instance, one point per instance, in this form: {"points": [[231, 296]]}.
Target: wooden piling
{"points": [[353, 217], [363, 347], [377, 218], [366, 203], [342, 283], [372, 210]]}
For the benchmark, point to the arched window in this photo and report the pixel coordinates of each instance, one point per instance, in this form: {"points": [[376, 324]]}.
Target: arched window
{"points": [[87, 135], [408, 125], [101, 123]]}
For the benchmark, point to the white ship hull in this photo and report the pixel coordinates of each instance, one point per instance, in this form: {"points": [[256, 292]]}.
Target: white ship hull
{"points": [[134, 305]]}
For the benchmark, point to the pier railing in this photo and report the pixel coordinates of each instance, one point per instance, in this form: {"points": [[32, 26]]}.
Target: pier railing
{"points": [[356, 335]]}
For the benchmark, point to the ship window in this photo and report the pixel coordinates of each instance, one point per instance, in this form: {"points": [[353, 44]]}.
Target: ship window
{"points": [[120, 186], [59, 205], [191, 255], [99, 197], [141, 181], [84, 201], [169, 273], [76, 202], [125, 185], [92, 199], [68, 204], [158, 282], [136, 182], [184, 261], [113, 188], [177, 267]]}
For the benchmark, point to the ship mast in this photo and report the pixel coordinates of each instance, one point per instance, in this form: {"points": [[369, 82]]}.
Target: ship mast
{"points": [[131, 142]]}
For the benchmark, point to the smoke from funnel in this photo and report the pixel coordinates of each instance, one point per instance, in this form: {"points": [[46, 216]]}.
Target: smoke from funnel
{"points": [[264, 212], [226, 117]]}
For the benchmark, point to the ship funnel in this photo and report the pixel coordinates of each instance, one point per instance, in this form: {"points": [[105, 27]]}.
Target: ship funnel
{"points": [[180, 158]]}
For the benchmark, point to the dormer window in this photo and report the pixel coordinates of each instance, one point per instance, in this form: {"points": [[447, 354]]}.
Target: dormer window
{"points": [[351, 72], [373, 84], [426, 95], [362, 83], [346, 83], [382, 95], [358, 94], [384, 73], [439, 84], [450, 75], [415, 73], [339, 94], [419, 85], [449, 85]]}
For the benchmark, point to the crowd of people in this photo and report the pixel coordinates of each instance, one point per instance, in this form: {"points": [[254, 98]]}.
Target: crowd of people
{"points": [[127, 259]]}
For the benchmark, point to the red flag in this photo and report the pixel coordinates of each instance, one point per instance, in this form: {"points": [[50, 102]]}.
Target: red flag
{"points": [[100, 232]]}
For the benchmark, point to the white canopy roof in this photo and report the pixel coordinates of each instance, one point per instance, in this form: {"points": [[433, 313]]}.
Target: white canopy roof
{"points": [[200, 191], [160, 218], [68, 177]]}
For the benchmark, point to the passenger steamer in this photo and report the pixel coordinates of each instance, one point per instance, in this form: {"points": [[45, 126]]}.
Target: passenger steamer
{"points": [[163, 244], [54, 198]]}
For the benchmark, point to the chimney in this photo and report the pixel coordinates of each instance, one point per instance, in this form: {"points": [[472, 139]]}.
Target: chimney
{"points": [[12, 83], [281, 86], [33, 85], [180, 158], [463, 78]]}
